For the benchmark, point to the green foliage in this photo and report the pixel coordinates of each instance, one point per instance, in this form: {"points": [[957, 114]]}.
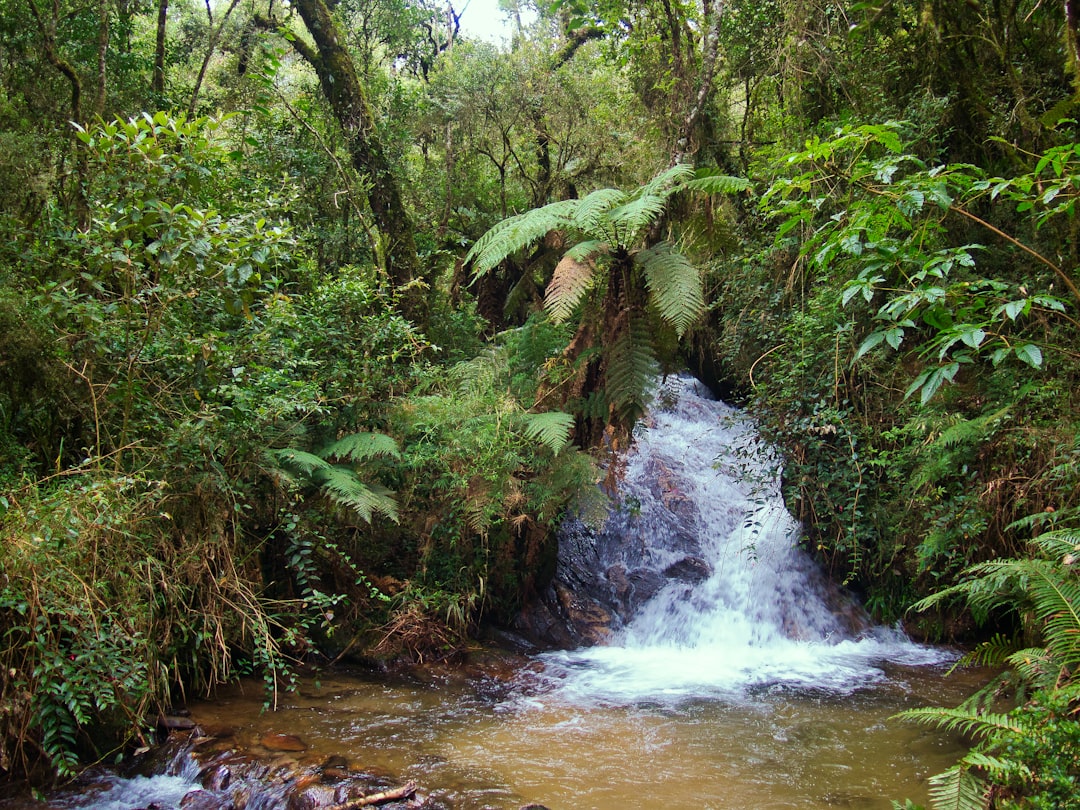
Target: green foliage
{"points": [[1032, 755], [342, 484], [612, 273]]}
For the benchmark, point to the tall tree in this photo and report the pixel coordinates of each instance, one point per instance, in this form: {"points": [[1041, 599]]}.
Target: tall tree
{"points": [[341, 84]]}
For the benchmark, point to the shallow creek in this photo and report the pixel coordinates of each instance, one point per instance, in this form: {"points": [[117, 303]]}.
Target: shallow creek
{"points": [[473, 744]]}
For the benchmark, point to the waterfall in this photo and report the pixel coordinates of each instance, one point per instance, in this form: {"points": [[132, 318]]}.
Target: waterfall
{"points": [[700, 568]]}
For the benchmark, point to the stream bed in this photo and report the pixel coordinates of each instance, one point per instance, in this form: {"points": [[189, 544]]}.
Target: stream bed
{"points": [[475, 743]]}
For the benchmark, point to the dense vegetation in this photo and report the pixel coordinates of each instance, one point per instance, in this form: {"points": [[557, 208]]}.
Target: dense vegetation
{"points": [[316, 316]]}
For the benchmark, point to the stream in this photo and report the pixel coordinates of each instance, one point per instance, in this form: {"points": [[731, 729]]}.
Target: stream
{"points": [[732, 675]]}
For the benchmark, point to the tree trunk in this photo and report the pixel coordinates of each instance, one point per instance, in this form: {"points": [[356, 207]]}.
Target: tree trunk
{"points": [[157, 83], [348, 99], [48, 37], [102, 53]]}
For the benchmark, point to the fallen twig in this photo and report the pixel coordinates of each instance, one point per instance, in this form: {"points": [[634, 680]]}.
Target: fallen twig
{"points": [[403, 792]]}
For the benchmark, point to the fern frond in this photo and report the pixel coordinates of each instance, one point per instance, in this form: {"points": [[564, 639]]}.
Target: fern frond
{"points": [[588, 250], [958, 789], [1059, 544], [632, 216], [591, 214], [345, 489], [631, 367], [962, 720], [1038, 667], [711, 181], [517, 232], [991, 653], [568, 284], [1055, 594], [298, 462], [668, 181], [362, 446], [551, 428], [969, 431], [674, 285], [998, 767]]}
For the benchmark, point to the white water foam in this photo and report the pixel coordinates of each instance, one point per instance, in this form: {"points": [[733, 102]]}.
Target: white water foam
{"points": [[761, 617]]}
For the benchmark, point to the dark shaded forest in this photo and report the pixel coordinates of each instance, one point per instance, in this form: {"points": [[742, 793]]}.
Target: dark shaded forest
{"points": [[317, 317]]}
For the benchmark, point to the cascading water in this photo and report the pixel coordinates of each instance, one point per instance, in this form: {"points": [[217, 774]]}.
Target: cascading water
{"points": [[701, 565], [732, 676]]}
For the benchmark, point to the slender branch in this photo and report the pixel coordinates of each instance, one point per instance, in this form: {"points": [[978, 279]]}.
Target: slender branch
{"points": [[214, 37], [1068, 282]]}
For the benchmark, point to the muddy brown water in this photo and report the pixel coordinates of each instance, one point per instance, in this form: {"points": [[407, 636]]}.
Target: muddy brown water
{"points": [[474, 744]]}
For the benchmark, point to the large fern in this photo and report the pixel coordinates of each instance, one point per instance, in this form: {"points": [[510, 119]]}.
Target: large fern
{"points": [[674, 285], [613, 276], [341, 483], [1045, 586]]}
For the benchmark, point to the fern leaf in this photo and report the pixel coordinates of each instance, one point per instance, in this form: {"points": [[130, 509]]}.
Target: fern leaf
{"points": [[296, 461], [674, 285], [710, 181], [568, 284], [588, 250], [632, 216], [1055, 593], [517, 232], [345, 489], [631, 368], [963, 721], [362, 446], [1058, 545], [1038, 667], [958, 789], [668, 181], [998, 767], [591, 214], [552, 428]]}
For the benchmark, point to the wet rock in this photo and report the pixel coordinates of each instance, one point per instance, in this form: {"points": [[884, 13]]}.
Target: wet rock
{"points": [[646, 582], [335, 762], [216, 777], [542, 623], [205, 800], [173, 722], [589, 620], [689, 569], [283, 742]]}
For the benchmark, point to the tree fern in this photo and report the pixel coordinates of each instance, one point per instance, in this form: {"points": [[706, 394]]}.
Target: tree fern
{"points": [[674, 285], [568, 284], [630, 369], [611, 274], [552, 428]]}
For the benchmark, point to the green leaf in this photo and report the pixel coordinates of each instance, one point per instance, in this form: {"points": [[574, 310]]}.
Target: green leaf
{"points": [[872, 340], [674, 285], [361, 446], [710, 181], [551, 428], [1030, 354]]}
